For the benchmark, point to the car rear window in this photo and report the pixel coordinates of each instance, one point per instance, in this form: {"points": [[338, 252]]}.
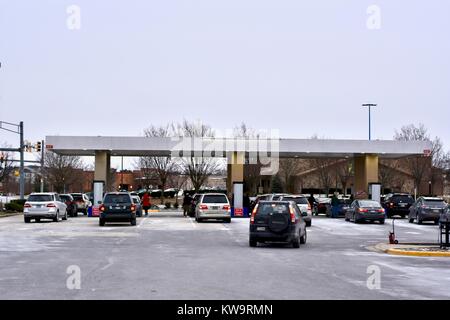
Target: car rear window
{"points": [[117, 198], [77, 197], [435, 202], [65, 198], [265, 209], [40, 198], [369, 204], [297, 200], [403, 198], [215, 199]]}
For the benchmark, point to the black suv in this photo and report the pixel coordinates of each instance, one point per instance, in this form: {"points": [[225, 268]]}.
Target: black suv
{"points": [[277, 221], [398, 204], [117, 207]]}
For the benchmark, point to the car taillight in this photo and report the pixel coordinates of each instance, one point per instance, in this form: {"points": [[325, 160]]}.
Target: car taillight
{"points": [[363, 210], [226, 207], [27, 205], [133, 207], [391, 204], [381, 210], [203, 207], [252, 218], [102, 208], [292, 212], [51, 205]]}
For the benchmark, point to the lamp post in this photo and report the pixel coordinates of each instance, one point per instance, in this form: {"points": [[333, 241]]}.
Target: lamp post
{"points": [[370, 105]]}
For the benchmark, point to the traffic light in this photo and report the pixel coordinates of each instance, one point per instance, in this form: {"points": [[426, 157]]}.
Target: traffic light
{"points": [[39, 146]]}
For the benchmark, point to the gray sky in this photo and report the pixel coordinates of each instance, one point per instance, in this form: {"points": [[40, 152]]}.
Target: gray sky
{"points": [[303, 67]]}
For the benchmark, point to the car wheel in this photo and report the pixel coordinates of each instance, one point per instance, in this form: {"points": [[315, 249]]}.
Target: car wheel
{"points": [[303, 238], [419, 221], [308, 223], [382, 221], [296, 242], [65, 216], [101, 222], [56, 218], [253, 243], [411, 220], [227, 220], [347, 219], [133, 222], [26, 220]]}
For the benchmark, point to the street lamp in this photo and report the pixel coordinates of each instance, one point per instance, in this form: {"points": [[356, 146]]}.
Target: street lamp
{"points": [[370, 105]]}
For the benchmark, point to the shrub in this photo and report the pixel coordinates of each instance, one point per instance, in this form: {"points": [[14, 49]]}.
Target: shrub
{"points": [[168, 205], [13, 206], [18, 201]]}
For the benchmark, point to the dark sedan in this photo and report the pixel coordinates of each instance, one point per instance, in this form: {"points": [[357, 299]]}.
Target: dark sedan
{"points": [[365, 210]]}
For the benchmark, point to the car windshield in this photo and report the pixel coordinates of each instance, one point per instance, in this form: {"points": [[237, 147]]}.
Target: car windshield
{"points": [[117, 198], [369, 204], [40, 198], [297, 200], [265, 209], [215, 199]]}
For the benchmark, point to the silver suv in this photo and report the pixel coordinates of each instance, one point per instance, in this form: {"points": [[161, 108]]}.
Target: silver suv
{"points": [[44, 206], [213, 206]]}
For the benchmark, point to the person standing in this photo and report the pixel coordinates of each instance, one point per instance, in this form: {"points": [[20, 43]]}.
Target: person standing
{"points": [[187, 200], [334, 206], [146, 203]]}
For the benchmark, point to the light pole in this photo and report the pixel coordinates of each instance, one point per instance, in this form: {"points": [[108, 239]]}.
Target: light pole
{"points": [[370, 105]]}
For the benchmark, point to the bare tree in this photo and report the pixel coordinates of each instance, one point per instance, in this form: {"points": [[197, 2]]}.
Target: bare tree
{"points": [[289, 168], [198, 167], [62, 171], [419, 165], [7, 165], [158, 168], [344, 169], [387, 173], [325, 171]]}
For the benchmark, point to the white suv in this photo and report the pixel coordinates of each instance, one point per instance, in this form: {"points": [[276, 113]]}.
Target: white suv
{"points": [[44, 206], [213, 206]]}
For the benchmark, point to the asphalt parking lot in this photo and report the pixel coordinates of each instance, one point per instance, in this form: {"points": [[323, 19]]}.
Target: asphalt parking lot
{"points": [[167, 256]]}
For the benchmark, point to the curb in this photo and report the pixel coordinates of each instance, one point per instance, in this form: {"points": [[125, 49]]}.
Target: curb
{"points": [[414, 253], [395, 250], [9, 215]]}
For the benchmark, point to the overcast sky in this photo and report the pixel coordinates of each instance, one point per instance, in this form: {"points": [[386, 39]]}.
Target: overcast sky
{"points": [[303, 67]]}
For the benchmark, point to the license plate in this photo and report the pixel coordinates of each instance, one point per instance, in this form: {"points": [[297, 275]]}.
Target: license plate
{"points": [[436, 210], [402, 204], [261, 229], [215, 208], [38, 206]]}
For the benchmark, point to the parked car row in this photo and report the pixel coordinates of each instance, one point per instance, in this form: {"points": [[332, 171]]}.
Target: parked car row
{"points": [[55, 206]]}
